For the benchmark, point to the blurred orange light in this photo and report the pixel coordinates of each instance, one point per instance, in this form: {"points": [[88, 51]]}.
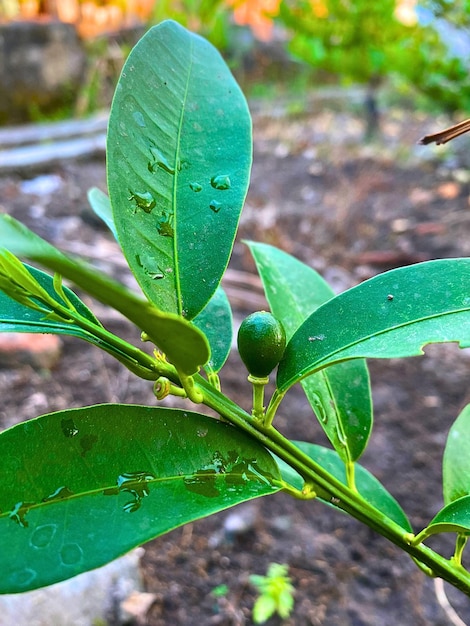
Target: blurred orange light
{"points": [[257, 14], [319, 8]]}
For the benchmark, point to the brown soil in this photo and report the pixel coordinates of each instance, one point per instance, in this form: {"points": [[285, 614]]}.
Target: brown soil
{"points": [[350, 210]]}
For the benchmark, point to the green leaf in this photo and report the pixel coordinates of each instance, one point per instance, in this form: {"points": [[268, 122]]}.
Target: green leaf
{"points": [[15, 317], [394, 314], [87, 485], [101, 205], [340, 395], [184, 345], [453, 518], [367, 485], [179, 157], [456, 461], [215, 321]]}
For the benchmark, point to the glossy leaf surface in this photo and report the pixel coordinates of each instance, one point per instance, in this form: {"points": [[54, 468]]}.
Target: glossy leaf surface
{"points": [[340, 395], [215, 321], [368, 486], [101, 205], [453, 518], [391, 315], [87, 485], [456, 462], [184, 345], [179, 157]]}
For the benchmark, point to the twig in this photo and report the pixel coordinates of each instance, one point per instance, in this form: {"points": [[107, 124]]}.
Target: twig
{"points": [[445, 604]]}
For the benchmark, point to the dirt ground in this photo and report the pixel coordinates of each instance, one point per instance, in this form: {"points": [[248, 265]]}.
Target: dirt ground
{"points": [[349, 209]]}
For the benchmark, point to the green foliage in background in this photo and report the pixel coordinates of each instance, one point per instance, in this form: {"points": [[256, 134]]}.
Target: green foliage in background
{"points": [[365, 42]]}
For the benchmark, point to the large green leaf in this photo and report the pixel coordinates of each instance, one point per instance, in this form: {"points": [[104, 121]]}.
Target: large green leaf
{"points": [[86, 485], [367, 485], [340, 395], [215, 321], [184, 345], [456, 462], [393, 314], [179, 156]]}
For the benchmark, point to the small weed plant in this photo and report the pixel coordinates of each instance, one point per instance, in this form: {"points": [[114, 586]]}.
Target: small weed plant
{"points": [[83, 486], [276, 594]]}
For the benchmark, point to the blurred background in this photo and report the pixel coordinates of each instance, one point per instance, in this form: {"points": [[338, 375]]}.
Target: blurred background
{"points": [[408, 51], [340, 92]]}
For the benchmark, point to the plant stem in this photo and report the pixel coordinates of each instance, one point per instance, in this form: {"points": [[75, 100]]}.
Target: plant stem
{"points": [[329, 488]]}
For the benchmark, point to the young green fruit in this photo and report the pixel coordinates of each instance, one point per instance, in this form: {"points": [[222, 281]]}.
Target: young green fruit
{"points": [[261, 343]]}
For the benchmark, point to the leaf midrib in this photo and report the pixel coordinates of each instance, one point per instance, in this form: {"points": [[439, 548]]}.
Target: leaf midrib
{"points": [[179, 300]]}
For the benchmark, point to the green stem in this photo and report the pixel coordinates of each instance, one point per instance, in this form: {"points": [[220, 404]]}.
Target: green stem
{"points": [[258, 385], [140, 363], [329, 488]]}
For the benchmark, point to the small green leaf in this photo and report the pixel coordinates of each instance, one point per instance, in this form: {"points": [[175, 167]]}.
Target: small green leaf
{"points": [[453, 518], [179, 158], [101, 205], [184, 345], [87, 485], [456, 462], [367, 485], [392, 315], [340, 395], [16, 317], [265, 606], [215, 321]]}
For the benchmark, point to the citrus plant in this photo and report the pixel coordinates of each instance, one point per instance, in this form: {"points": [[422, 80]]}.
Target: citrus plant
{"points": [[83, 486]]}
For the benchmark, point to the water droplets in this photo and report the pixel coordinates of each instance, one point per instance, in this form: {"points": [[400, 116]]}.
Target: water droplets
{"points": [[134, 483], [215, 206], [226, 474], [159, 161], [143, 200], [319, 409], [342, 441], [71, 554], [68, 427], [165, 225], [43, 536], [196, 187], [61, 493], [139, 119], [19, 512], [317, 338], [221, 182], [23, 577]]}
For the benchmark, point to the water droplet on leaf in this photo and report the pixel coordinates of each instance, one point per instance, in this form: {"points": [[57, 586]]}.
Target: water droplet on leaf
{"points": [[71, 554], [23, 578], [196, 187], [135, 483], [159, 161], [143, 200], [18, 514], [87, 442], [164, 226], [59, 494], [68, 427], [139, 119], [319, 409], [215, 206], [43, 535], [221, 181]]}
